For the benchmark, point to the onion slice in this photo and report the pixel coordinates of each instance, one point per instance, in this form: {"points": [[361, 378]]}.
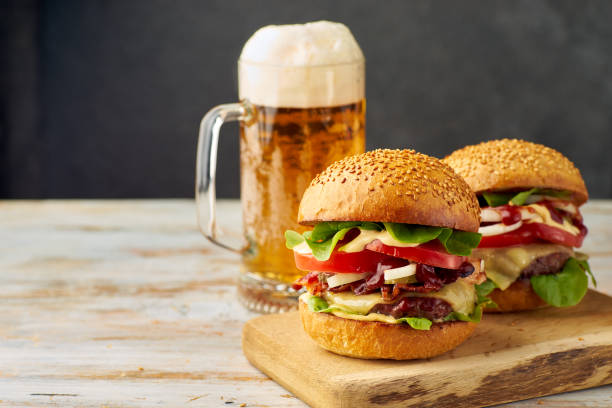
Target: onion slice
{"points": [[340, 279], [497, 229], [402, 272], [490, 215]]}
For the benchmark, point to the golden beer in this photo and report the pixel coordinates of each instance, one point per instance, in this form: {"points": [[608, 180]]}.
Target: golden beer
{"points": [[279, 155], [302, 93]]}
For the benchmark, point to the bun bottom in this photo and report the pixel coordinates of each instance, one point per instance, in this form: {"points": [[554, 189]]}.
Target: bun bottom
{"points": [[517, 297], [376, 340]]}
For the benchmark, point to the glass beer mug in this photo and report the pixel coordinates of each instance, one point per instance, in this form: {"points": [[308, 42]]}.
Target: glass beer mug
{"points": [[302, 107]]}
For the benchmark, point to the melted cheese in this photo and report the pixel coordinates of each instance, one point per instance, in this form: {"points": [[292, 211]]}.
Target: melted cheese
{"points": [[354, 303], [371, 317], [365, 237], [359, 243], [460, 295], [504, 265]]}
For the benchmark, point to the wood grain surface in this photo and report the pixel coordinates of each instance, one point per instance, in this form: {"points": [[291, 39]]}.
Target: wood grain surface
{"points": [[125, 304], [509, 356]]}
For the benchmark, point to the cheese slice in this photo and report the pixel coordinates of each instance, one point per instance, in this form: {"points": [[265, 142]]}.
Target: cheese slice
{"points": [[504, 265], [371, 317], [359, 243], [366, 236]]}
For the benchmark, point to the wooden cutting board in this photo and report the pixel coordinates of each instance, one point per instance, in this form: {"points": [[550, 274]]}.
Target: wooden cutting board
{"points": [[508, 358]]}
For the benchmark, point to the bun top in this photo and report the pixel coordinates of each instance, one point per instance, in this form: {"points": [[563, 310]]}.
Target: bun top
{"points": [[511, 164], [391, 186]]}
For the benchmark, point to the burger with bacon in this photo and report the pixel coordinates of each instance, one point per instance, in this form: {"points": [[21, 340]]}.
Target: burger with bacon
{"points": [[530, 196], [388, 259]]}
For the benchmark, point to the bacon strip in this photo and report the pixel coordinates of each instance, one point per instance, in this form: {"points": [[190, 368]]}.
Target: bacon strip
{"points": [[429, 279]]}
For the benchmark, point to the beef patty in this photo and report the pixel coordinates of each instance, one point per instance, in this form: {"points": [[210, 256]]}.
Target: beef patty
{"points": [[545, 265], [428, 307]]}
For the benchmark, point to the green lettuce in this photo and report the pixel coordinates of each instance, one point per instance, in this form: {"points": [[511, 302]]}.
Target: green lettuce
{"points": [[322, 249], [566, 288], [521, 197], [323, 238], [587, 268], [459, 242], [412, 234], [318, 304], [455, 242], [417, 323], [475, 317], [293, 239], [323, 231], [483, 290], [495, 199]]}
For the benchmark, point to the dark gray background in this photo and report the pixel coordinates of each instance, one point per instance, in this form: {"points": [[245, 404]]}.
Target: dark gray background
{"points": [[104, 98]]}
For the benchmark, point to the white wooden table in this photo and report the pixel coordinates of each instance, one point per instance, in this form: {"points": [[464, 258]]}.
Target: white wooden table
{"points": [[125, 304]]}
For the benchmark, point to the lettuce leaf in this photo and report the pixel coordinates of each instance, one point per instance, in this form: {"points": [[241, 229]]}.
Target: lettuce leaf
{"points": [[326, 230], [554, 193], [323, 238], [475, 317], [455, 242], [495, 199], [417, 323], [293, 239], [484, 289], [317, 304], [482, 302], [412, 234], [566, 288], [521, 197], [587, 268], [459, 242], [322, 250]]}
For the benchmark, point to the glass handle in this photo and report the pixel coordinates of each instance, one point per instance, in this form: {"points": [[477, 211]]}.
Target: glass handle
{"points": [[206, 165]]}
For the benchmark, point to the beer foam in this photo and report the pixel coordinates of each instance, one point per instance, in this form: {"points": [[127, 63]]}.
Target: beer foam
{"points": [[302, 65]]}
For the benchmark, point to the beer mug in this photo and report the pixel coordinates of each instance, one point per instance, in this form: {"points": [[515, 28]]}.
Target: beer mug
{"points": [[302, 107]]}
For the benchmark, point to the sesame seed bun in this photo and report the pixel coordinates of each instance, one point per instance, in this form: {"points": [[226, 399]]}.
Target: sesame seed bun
{"points": [[516, 164], [517, 297], [391, 186], [375, 340]]}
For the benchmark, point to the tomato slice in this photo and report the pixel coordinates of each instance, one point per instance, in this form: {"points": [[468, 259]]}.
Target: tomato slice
{"points": [[348, 262], [431, 253], [533, 232]]}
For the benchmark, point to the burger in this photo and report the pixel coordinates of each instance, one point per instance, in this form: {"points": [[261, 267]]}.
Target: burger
{"points": [[530, 197], [388, 260]]}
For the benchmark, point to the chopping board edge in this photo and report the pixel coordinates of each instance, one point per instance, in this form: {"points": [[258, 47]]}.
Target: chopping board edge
{"points": [[521, 369]]}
